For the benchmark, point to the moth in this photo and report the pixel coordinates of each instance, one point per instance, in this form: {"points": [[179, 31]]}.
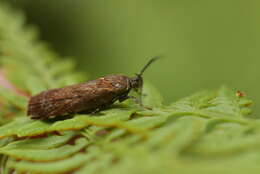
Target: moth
{"points": [[87, 97]]}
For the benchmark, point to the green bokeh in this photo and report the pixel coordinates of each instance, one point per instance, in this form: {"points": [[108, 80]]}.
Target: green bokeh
{"points": [[204, 43]]}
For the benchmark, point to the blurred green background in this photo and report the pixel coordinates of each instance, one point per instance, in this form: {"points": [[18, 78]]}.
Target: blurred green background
{"points": [[204, 43]]}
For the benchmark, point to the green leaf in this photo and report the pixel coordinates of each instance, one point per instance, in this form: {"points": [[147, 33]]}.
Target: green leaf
{"points": [[151, 96], [48, 142], [95, 167], [40, 154], [24, 126], [14, 99], [55, 167], [10, 129]]}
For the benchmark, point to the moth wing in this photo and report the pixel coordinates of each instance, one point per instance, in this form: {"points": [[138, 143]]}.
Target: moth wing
{"points": [[67, 100], [57, 101]]}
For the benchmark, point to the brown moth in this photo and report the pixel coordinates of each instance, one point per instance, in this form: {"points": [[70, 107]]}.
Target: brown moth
{"points": [[90, 96]]}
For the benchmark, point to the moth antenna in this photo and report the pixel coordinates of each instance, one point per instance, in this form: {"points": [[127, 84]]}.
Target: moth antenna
{"points": [[147, 65]]}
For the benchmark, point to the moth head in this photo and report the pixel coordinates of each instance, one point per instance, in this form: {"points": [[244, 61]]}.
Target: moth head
{"points": [[137, 81]]}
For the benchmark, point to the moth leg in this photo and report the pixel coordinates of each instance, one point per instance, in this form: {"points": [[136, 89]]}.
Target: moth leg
{"points": [[95, 111], [135, 99], [100, 108], [123, 98]]}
